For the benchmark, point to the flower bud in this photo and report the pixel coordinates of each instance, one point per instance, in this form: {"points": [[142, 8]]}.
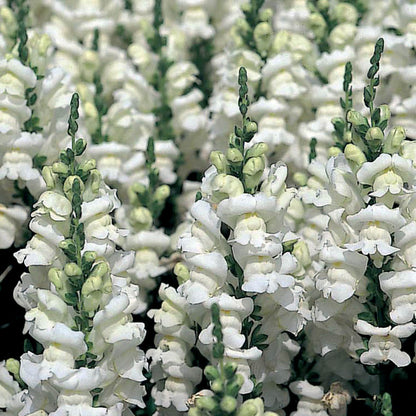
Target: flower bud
{"points": [[60, 168], [56, 277], [233, 388], [8, 22], [356, 119], [394, 140], [162, 193], [13, 367], [72, 269], [263, 37], [251, 127], [355, 154], [217, 386], [206, 403], [385, 113], [347, 136], [247, 409], [266, 15], [334, 151], [342, 35], [300, 178], [253, 171], [92, 284], [88, 165], [234, 155], [100, 269], [218, 159], [374, 133], [181, 272], [68, 184], [89, 257], [141, 218], [193, 411], [301, 252], [226, 186], [317, 24], [95, 177], [230, 369], [211, 373], [48, 176], [228, 404], [345, 13], [259, 149], [133, 190]]}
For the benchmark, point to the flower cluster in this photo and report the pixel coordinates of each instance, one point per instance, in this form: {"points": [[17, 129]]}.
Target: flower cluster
{"points": [[263, 233]]}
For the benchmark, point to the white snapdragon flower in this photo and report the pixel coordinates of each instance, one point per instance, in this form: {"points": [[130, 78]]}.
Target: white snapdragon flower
{"points": [[205, 250], [171, 369], [344, 274], [310, 399], [272, 372], [400, 286], [282, 78], [248, 216], [12, 218], [375, 224], [384, 344], [387, 175], [9, 388]]}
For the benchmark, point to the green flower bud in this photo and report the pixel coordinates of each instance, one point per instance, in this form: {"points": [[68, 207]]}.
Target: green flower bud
{"points": [[13, 366], [95, 177], [266, 15], [394, 140], [234, 387], [345, 13], [347, 136], [141, 219], [356, 119], [242, 26], [72, 269], [334, 151], [355, 154], [80, 146], [60, 168], [259, 149], [100, 269], [374, 133], [228, 404], [193, 411], [230, 369], [49, 177], [300, 178], [89, 257], [253, 171], [162, 192], [263, 33], [56, 277], [218, 159], [251, 127], [134, 190], [385, 113], [92, 284], [317, 24], [217, 386], [181, 272], [206, 403], [69, 183], [211, 373], [301, 252], [8, 22], [234, 155], [88, 165], [226, 186], [247, 409]]}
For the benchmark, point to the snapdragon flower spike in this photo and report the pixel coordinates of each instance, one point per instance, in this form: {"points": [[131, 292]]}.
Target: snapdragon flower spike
{"points": [[235, 256], [225, 382], [77, 296], [366, 193]]}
